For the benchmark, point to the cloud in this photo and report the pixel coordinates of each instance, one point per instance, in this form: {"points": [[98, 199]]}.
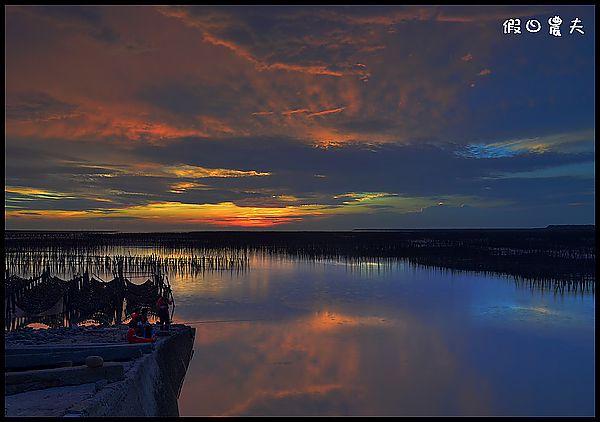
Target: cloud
{"points": [[253, 73], [201, 172], [196, 99], [584, 169], [266, 104], [185, 186], [211, 22], [325, 112], [295, 196], [290, 112], [38, 107], [576, 142], [88, 20], [42, 116], [36, 193]]}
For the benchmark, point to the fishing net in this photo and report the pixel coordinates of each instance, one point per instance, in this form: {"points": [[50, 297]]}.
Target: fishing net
{"points": [[141, 295], [78, 300], [42, 296], [94, 295]]}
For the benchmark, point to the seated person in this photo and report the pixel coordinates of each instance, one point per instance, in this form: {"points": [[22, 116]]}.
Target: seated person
{"points": [[138, 331], [135, 318], [132, 337], [145, 328]]}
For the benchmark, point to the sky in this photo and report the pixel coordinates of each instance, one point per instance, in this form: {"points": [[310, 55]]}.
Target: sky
{"points": [[153, 118]]}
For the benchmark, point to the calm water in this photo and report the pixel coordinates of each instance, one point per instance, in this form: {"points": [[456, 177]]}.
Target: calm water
{"points": [[299, 338], [291, 337]]}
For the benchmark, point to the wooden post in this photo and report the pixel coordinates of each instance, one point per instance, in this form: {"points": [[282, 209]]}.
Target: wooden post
{"points": [[9, 295], [120, 269], [120, 292], [86, 280]]}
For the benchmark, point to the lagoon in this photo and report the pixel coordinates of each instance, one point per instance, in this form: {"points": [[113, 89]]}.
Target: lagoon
{"points": [[294, 337], [290, 334]]}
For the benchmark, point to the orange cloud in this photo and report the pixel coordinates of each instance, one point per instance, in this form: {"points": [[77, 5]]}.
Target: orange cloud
{"points": [[286, 198], [243, 52], [109, 108], [104, 124], [224, 214], [52, 214], [315, 70], [312, 114], [290, 112], [325, 112], [185, 186]]}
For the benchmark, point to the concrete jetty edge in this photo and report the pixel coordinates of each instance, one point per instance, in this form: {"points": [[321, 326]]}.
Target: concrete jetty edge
{"points": [[150, 386]]}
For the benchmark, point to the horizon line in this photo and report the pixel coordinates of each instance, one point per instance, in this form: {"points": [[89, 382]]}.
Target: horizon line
{"points": [[550, 226]]}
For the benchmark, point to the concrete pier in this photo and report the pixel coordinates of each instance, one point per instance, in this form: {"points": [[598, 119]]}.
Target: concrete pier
{"points": [[45, 357], [148, 382]]}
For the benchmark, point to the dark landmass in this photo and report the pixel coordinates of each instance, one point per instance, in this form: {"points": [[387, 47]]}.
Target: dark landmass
{"points": [[582, 227]]}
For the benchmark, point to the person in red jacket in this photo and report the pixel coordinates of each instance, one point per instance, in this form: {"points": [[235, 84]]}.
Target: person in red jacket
{"points": [[132, 337], [135, 333], [162, 306]]}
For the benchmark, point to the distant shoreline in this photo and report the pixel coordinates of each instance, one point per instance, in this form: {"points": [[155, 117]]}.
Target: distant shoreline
{"points": [[401, 230]]}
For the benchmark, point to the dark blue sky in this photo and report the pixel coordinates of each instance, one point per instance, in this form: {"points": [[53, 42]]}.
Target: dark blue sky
{"points": [[297, 117]]}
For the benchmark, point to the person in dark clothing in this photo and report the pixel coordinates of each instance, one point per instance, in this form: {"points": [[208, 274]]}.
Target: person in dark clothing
{"points": [[135, 333], [144, 324], [132, 337], [135, 318], [162, 305]]}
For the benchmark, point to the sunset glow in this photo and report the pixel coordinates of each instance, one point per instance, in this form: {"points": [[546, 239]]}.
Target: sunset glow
{"points": [[149, 118]]}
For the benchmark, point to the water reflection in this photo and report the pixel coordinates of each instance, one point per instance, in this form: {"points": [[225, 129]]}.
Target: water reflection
{"points": [[320, 340], [329, 364]]}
